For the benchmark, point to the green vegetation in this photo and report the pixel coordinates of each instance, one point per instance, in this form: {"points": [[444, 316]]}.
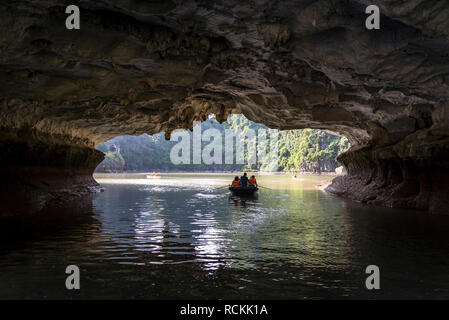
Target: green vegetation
{"points": [[299, 150], [310, 150]]}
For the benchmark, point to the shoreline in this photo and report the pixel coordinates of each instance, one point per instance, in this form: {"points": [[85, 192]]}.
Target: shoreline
{"points": [[323, 185], [305, 173]]}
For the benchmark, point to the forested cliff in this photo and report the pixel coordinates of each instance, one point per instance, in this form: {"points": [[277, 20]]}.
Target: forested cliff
{"points": [[299, 150]]}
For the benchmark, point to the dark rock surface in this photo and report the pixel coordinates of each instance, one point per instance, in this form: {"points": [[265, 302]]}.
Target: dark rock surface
{"points": [[150, 66]]}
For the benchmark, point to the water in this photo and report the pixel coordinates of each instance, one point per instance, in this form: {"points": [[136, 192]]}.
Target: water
{"points": [[181, 237]]}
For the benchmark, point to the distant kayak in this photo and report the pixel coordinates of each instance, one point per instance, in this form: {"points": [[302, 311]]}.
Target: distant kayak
{"points": [[243, 191], [153, 176]]}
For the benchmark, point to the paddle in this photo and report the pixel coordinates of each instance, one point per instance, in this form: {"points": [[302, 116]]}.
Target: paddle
{"points": [[222, 187], [264, 187]]}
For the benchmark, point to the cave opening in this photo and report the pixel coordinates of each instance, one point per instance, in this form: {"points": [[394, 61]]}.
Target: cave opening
{"points": [[305, 151]]}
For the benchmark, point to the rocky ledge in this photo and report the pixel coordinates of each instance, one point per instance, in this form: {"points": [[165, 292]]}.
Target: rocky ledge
{"points": [[151, 66]]}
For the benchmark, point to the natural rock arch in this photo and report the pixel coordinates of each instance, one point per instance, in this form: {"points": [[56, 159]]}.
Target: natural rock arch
{"points": [[139, 66]]}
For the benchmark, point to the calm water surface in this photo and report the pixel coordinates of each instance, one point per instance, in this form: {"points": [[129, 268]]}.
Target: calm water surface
{"points": [[181, 237]]}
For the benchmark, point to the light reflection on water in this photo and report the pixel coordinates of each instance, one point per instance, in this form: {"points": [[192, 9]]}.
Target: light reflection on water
{"points": [[181, 237]]}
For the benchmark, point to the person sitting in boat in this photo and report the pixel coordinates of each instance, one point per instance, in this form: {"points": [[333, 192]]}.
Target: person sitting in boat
{"points": [[236, 182], [253, 181], [244, 182]]}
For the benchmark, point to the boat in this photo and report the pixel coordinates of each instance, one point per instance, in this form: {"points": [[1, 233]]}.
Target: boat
{"points": [[243, 191], [153, 176]]}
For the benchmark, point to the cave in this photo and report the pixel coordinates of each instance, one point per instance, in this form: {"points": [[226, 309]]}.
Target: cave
{"points": [[139, 67]]}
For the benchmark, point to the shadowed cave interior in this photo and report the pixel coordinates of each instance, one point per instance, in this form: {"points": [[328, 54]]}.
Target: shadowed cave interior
{"points": [[145, 67]]}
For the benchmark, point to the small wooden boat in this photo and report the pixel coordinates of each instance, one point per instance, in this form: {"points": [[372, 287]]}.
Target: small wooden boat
{"points": [[243, 191]]}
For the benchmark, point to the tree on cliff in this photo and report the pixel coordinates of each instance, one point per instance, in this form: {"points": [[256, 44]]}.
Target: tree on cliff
{"points": [[299, 150]]}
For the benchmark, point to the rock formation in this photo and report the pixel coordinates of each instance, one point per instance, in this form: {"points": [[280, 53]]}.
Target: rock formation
{"points": [[150, 66]]}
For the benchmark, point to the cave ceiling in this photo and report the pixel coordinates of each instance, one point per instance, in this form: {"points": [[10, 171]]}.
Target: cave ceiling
{"points": [[151, 66]]}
